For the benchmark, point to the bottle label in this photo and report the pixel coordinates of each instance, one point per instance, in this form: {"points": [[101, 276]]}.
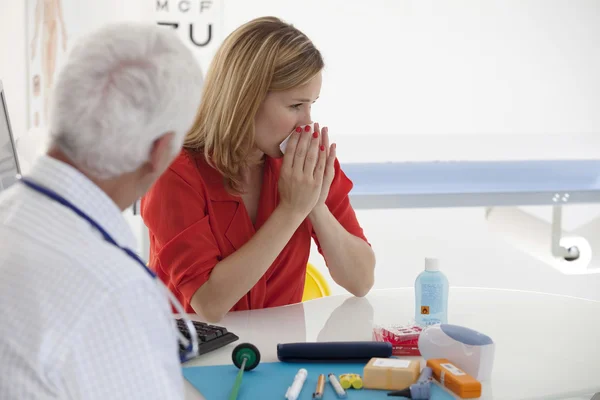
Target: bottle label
{"points": [[431, 298]]}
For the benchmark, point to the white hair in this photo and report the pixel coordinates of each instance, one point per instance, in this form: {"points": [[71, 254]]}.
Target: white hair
{"points": [[121, 88]]}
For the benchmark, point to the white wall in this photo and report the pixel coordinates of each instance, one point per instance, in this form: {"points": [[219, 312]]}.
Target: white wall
{"points": [[439, 67], [436, 80], [13, 61], [80, 17], [15, 47]]}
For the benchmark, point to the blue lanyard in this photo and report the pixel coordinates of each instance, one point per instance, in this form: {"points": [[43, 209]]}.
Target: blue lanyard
{"points": [[61, 200]]}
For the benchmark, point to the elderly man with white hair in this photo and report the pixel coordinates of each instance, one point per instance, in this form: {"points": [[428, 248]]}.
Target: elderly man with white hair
{"points": [[80, 318]]}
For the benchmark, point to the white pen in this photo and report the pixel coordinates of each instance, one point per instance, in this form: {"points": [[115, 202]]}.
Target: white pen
{"points": [[293, 391], [339, 390]]}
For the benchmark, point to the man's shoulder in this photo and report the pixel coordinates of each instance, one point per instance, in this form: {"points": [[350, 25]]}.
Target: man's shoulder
{"points": [[80, 266], [49, 294], [81, 273], [108, 266]]}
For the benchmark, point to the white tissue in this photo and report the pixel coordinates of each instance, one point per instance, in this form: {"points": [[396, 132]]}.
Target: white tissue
{"points": [[283, 144]]}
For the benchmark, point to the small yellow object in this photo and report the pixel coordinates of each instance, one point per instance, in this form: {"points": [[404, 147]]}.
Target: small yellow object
{"points": [[390, 373], [351, 380]]}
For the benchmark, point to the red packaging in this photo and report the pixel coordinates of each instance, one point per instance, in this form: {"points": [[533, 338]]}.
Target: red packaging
{"points": [[404, 339]]}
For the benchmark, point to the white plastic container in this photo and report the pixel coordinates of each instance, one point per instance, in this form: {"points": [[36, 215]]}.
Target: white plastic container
{"points": [[469, 350]]}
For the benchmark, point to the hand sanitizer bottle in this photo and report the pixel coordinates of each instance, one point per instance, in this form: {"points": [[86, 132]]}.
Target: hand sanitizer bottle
{"points": [[431, 295]]}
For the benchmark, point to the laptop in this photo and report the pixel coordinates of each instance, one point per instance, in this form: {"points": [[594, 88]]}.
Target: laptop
{"points": [[10, 170]]}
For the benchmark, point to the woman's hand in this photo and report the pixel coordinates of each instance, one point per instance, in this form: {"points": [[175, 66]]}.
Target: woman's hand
{"points": [[329, 172], [302, 173]]}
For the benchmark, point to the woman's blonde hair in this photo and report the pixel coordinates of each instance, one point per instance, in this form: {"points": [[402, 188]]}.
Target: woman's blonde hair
{"points": [[263, 55]]}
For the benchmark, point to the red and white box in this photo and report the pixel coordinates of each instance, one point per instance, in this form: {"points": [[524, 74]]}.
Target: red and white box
{"points": [[404, 339]]}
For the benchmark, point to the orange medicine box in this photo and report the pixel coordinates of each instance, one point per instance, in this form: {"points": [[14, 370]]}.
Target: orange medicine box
{"points": [[455, 379], [390, 373]]}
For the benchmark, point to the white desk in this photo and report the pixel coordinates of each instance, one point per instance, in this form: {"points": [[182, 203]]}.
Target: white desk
{"points": [[543, 342]]}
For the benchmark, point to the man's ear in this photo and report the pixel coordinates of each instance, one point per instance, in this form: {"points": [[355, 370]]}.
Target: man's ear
{"points": [[161, 151]]}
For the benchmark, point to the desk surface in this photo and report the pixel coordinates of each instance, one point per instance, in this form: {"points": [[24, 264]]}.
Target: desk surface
{"points": [[473, 183], [543, 342]]}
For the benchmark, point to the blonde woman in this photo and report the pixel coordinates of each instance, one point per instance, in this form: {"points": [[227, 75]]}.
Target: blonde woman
{"points": [[232, 219]]}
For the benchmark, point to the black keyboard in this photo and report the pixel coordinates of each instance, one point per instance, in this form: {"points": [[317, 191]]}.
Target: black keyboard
{"points": [[210, 337]]}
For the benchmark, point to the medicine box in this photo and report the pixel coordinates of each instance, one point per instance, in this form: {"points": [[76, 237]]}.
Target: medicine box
{"points": [[390, 373], [455, 379]]}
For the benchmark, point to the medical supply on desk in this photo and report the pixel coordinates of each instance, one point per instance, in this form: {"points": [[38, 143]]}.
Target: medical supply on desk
{"points": [[246, 357], [431, 295], [270, 380], [293, 391], [339, 390], [318, 394], [332, 351], [353, 381], [455, 379], [420, 390], [390, 373], [404, 339], [468, 349]]}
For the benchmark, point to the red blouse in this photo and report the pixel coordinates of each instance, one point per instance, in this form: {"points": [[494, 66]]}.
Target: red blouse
{"points": [[194, 223]]}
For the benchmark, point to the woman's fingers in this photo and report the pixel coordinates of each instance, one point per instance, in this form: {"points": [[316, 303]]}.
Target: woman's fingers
{"points": [[301, 152], [321, 165], [290, 150], [309, 153], [330, 168], [312, 156], [325, 139]]}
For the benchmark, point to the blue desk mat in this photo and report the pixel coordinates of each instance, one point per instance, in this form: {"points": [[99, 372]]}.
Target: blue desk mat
{"points": [[271, 381]]}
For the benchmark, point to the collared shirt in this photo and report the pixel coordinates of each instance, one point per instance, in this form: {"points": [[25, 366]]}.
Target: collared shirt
{"points": [[79, 319], [194, 223]]}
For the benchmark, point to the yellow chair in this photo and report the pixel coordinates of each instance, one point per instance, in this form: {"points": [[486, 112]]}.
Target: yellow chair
{"points": [[315, 286]]}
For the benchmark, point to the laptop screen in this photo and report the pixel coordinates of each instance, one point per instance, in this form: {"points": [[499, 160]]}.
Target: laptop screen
{"points": [[9, 163]]}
